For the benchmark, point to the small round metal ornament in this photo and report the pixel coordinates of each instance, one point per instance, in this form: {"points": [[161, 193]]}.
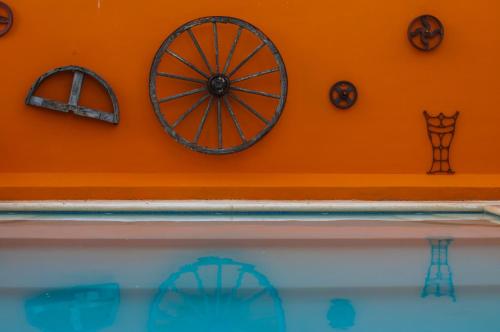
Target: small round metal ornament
{"points": [[343, 95], [426, 33], [5, 21]]}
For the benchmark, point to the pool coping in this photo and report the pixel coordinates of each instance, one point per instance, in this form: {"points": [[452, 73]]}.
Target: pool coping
{"points": [[491, 207], [233, 230]]}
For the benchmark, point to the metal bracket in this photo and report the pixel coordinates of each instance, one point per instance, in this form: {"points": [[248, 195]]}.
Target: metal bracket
{"points": [[73, 103]]}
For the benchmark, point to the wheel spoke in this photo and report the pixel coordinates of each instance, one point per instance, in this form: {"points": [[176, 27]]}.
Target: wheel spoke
{"points": [[260, 73], [249, 108], [339, 90], [237, 286], [198, 47], [201, 288], [218, 292], [180, 95], [183, 78], [235, 120], [255, 92], [219, 123], [203, 120], [188, 300], [4, 20], [251, 55], [233, 48], [187, 63], [216, 46], [255, 296], [190, 110]]}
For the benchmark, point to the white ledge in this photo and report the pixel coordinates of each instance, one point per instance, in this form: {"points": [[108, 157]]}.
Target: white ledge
{"points": [[252, 206]]}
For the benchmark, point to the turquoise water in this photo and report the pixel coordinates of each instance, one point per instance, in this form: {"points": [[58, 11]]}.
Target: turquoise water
{"points": [[440, 284]]}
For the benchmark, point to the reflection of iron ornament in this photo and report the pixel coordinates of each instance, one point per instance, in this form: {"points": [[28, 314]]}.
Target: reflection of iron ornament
{"points": [[439, 278], [218, 86], [343, 95], [76, 89], [441, 130], [425, 32], [77, 309], [341, 315], [6, 21]]}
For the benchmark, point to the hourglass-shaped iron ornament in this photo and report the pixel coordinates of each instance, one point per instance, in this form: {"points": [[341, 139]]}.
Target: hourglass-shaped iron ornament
{"points": [[441, 130], [7, 20], [426, 32], [343, 95]]}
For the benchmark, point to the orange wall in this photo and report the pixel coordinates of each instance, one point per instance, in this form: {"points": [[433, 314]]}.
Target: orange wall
{"points": [[321, 41]]}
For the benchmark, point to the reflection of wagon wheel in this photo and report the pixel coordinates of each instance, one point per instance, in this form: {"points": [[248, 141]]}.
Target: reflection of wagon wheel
{"points": [[237, 105], [216, 294]]}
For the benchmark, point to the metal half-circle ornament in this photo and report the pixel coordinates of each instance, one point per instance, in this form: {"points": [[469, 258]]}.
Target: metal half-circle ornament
{"points": [[72, 105]]}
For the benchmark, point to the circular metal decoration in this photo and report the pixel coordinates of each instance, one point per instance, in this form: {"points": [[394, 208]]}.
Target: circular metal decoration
{"points": [[5, 21], [426, 32], [217, 294], [343, 95], [218, 85]]}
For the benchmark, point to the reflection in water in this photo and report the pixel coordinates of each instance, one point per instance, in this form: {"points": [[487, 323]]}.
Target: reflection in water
{"points": [[216, 294], [439, 279], [81, 309], [341, 314]]}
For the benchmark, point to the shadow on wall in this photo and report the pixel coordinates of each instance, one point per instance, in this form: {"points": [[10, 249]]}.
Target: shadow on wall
{"points": [[76, 309], [217, 294]]}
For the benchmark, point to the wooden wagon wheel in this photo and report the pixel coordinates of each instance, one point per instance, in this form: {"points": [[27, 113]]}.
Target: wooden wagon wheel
{"points": [[217, 84]]}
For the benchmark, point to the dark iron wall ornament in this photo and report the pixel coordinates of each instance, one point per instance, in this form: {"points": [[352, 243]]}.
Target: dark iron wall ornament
{"points": [[72, 105], [426, 32], [441, 130], [343, 95], [218, 84], [5, 21]]}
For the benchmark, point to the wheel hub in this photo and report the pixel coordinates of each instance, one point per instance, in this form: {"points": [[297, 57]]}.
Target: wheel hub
{"points": [[218, 85]]}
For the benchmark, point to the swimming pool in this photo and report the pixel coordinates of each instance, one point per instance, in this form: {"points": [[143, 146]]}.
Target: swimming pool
{"points": [[155, 271]]}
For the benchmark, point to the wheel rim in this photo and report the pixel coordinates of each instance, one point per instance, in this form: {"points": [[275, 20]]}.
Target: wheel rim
{"points": [[219, 87]]}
